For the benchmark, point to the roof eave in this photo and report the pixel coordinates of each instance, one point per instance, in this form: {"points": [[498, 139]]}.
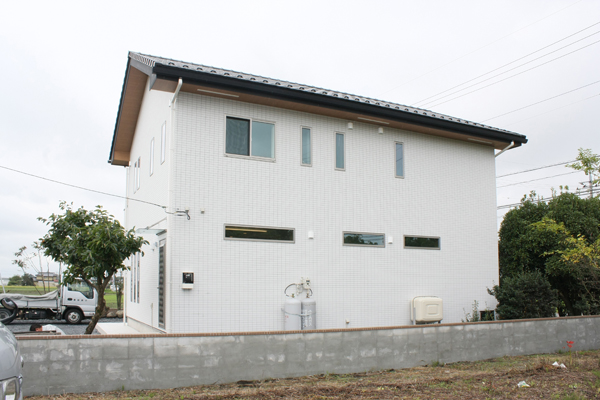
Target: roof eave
{"points": [[163, 72]]}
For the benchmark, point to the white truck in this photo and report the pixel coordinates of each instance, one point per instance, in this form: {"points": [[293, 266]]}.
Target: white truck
{"points": [[72, 302]]}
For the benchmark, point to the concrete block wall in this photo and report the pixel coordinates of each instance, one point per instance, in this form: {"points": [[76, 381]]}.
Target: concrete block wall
{"points": [[78, 364]]}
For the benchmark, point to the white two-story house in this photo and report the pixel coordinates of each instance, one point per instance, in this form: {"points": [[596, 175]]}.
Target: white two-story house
{"points": [[244, 185]]}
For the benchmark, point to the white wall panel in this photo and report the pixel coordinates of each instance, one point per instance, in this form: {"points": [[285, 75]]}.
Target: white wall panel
{"points": [[448, 191]]}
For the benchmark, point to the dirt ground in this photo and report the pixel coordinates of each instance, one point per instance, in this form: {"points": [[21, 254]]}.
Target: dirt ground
{"points": [[491, 379]]}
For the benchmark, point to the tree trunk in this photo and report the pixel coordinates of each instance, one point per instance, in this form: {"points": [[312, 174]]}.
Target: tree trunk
{"points": [[100, 288]]}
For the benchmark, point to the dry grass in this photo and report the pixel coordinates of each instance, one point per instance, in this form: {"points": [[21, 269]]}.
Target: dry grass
{"points": [[491, 379]]}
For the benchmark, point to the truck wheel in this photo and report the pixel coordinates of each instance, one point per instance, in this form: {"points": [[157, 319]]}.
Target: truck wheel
{"points": [[73, 316], [4, 313]]}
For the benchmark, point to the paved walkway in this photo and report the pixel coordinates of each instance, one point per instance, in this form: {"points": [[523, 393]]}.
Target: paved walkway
{"points": [[114, 328]]}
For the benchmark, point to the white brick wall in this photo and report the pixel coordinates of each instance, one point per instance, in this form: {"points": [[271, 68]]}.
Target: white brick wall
{"points": [[448, 191]]}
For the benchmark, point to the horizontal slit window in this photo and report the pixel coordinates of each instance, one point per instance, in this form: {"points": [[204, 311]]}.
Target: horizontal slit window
{"points": [[422, 242], [239, 232], [364, 239]]}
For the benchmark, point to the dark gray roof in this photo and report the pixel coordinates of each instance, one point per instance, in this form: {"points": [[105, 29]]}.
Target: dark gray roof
{"points": [[152, 61]]}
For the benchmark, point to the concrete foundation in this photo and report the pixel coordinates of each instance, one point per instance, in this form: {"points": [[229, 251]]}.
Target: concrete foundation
{"points": [[77, 364]]}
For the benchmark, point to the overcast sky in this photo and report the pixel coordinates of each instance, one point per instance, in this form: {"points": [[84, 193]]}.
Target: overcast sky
{"points": [[63, 63]]}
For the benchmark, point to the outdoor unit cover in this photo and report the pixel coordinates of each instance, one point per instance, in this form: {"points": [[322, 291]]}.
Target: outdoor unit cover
{"points": [[427, 309]]}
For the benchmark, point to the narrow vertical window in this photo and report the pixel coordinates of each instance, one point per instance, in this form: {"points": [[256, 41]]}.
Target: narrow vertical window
{"points": [[163, 143], [339, 151], [399, 160], [151, 156], [306, 147], [137, 173]]}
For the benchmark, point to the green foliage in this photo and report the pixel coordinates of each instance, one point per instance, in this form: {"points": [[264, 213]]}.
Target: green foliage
{"points": [[525, 295], [15, 280], [587, 162], [28, 280], [93, 246], [473, 316], [525, 246]]}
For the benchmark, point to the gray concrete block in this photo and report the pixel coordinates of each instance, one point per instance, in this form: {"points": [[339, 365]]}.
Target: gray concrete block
{"points": [[114, 349]]}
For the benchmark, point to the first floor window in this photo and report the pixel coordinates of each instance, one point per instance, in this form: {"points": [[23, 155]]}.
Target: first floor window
{"points": [[364, 239], [340, 152], [399, 160], [249, 138], [421, 242], [240, 232]]}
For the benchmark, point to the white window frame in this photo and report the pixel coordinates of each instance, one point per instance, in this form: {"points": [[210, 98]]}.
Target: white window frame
{"points": [[163, 143], [335, 151], [152, 157], [396, 160], [250, 156], [310, 148], [362, 245]]}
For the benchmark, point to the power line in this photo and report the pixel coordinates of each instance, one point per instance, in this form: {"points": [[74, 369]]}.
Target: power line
{"points": [[82, 188], [512, 62], [554, 109], [535, 169], [542, 101], [512, 76], [538, 179], [476, 50], [579, 194]]}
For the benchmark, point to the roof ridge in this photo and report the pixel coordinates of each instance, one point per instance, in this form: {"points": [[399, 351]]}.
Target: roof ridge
{"points": [[152, 60]]}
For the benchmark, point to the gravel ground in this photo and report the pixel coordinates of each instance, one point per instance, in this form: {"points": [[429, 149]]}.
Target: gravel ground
{"points": [[79, 329]]}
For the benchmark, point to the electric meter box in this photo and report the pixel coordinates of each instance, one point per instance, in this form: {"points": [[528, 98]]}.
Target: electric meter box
{"points": [[426, 310]]}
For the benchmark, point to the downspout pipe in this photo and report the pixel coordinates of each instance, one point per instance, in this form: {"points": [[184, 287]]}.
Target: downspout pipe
{"points": [[510, 146], [176, 92]]}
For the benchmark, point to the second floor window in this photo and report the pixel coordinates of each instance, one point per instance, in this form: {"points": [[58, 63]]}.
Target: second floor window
{"points": [[250, 138], [340, 152]]}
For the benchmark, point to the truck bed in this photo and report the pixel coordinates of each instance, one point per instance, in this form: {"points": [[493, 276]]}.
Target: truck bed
{"points": [[48, 300]]}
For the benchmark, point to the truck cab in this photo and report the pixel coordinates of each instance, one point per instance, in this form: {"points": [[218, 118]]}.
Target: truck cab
{"points": [[79, 301]]}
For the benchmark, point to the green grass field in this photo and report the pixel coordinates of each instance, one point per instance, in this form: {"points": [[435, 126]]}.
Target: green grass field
{"points": [[109, 296]]}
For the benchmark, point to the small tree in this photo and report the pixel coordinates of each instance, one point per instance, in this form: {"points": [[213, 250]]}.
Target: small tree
{"points": [[589, 163], [93, 246], [28, 280], [525, 295], [15, 280], [119, 291]]}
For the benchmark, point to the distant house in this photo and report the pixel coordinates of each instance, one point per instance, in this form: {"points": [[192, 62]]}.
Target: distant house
{"points": [[244, 185], [47, 277]]}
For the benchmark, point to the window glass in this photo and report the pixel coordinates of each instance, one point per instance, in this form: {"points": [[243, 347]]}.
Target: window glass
{"points": [[420, 242], [263, 139], [259, 233], [306, 147], [339, 151], [399, 160], [81, 287], [237, 136], [152, 156], [163, 143], [364, 239]]}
